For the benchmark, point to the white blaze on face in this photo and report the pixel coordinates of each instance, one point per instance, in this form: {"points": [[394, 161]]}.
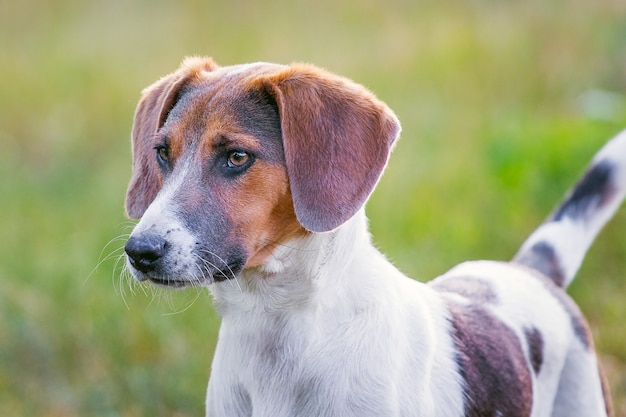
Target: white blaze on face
{"points": [[161, 219]]}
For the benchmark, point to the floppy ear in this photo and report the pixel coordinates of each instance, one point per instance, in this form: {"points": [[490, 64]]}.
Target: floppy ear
{"points": [[154, 106], [337, 137]]}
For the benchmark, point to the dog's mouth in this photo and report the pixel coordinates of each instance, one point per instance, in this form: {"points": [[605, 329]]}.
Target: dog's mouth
{"points": [[175, 283], [231, 271]]}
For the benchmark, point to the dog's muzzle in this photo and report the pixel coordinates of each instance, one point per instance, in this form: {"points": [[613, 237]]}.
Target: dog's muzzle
{"points": [[151, 257]]}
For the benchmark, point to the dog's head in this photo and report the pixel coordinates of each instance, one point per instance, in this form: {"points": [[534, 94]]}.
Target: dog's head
{"points": [[229, 162]]}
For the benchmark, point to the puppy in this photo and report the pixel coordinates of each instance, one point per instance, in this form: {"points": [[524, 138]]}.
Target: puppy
{"points": [[251, 180]]}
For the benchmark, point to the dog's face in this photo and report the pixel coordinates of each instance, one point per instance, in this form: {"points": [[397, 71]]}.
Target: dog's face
{"points": [[230, 162]]}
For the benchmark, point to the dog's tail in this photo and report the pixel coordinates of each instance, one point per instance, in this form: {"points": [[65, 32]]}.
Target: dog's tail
{"points": [[558, 246]]}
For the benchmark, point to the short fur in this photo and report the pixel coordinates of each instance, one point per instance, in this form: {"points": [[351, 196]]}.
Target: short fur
{"points": [[251, 180]]}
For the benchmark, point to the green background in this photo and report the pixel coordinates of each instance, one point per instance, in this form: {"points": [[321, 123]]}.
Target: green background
{"points": [[502, 105]]}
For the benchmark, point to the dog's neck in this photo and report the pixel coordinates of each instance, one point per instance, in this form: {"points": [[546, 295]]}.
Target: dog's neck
{"points": [[302, 273]]}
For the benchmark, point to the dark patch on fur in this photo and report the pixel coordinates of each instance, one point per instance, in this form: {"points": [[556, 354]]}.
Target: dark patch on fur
{"points": [[594, 190], [534, 339], [579, 324], [471, 288], [492, 364], [542, 257], [260, 116]]}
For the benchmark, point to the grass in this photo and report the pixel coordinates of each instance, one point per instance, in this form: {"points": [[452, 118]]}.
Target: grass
{"points": [[502, 105]]}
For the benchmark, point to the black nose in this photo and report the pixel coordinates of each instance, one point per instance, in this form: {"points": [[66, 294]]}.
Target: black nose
{"points": [[144, 252]]}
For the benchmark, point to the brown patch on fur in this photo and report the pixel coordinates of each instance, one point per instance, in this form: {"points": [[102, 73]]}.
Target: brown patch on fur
{"points": [[262, 209], [491, 362]]}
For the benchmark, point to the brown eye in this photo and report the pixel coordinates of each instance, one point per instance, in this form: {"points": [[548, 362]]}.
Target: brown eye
{"points": [[163, 154], [238, 159]]}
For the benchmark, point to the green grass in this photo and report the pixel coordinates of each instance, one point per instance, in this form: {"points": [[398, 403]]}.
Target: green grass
{"points": [[498, 123]]}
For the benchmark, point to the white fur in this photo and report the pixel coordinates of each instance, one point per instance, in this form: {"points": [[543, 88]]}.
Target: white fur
{"points": [[161, 219], [331, 309], [337, 313]]}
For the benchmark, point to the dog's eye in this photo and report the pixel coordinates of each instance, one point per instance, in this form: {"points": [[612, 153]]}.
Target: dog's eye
{"points": [[238, 159], [163, 154]]}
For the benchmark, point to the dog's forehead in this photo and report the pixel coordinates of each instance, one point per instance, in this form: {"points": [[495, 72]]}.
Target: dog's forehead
{"points": [[225, 102], [237, 77], [225, 91]]}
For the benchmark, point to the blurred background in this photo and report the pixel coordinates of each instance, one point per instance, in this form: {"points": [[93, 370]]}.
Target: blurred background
{"points": [[502, 105]]}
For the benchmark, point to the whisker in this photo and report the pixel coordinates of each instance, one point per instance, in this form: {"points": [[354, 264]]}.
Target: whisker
{"points": [[232, 277], [109, 256], [124, 275], [154, 291], [117, 254], [194, 278], [219, 258], [208, 265]]}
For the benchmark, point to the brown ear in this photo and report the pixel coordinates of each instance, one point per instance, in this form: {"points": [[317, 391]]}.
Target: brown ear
{"points": [[154, 106], [337, 137]]}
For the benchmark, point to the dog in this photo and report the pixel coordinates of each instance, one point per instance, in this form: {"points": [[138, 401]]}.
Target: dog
{"points": [[251, 180]]}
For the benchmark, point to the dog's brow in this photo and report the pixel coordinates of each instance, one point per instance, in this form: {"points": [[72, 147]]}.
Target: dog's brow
{"points": [[240, 140]]}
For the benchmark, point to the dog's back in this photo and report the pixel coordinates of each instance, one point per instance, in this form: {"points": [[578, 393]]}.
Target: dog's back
{"points": [[516, 315]]}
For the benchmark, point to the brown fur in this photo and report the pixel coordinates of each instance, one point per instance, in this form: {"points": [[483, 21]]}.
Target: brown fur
{"points": [[268, 221]]}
